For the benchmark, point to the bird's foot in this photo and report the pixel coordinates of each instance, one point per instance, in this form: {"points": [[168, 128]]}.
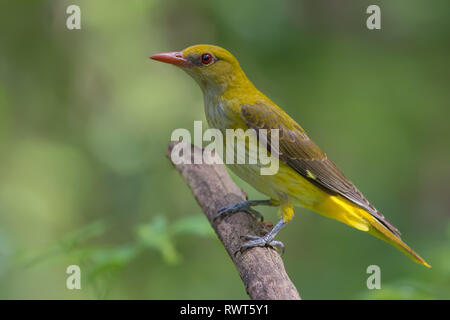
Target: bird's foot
{"points": [[264, 241], [244, 206]]}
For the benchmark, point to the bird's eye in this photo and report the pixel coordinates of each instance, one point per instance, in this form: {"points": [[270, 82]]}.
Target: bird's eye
{"points": [[207, 58]]}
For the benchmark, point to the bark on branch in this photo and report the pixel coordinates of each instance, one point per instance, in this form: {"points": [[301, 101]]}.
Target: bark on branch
{"points": [[261, 269]]}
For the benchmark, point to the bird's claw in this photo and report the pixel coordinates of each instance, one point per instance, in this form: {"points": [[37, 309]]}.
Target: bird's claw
{"points": [[239, 207], [256, 241]]}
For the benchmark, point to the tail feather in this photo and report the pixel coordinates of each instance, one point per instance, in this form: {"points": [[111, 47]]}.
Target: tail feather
{"points": [[347, 212], [380, 231]]}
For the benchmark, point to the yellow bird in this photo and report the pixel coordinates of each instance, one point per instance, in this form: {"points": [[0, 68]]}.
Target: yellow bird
{"points": [[306, 177]]}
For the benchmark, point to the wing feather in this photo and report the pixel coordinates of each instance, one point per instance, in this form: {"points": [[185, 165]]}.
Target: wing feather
{"points": [[298, 151]]}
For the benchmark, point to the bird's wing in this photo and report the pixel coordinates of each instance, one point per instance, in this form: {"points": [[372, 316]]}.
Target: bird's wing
{"points": [[298, 151]]}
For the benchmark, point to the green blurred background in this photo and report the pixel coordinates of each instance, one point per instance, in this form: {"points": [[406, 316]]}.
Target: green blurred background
{"points": [[85, 118]]}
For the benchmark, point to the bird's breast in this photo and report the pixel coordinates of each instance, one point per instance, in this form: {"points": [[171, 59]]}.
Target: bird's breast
{"points": [[225, 114], [221, 114]]}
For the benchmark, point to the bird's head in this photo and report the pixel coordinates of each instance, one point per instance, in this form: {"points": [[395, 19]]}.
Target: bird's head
{"points": [[213, 67]]}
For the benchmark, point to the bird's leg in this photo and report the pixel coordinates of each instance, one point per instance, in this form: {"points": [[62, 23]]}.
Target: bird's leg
{"points": [[287, 212], [246, 206], [264, 241]]}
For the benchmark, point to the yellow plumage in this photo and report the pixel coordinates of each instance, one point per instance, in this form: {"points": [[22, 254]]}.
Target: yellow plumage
{"points": [[306, 177]]}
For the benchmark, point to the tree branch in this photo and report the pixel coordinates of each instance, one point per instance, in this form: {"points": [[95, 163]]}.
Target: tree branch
{"points": [[261, 269]]}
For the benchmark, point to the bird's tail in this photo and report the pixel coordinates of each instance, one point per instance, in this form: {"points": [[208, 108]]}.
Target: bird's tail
{"points": [[349, 213], [380, 231]]}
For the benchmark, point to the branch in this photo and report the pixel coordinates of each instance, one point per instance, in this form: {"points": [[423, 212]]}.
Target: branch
{"points": [[261, 269]]}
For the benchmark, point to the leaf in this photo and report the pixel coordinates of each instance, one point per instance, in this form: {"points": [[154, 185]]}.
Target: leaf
{"points": [[195, 225], [110, 259], [66, 245], [156, 235]]}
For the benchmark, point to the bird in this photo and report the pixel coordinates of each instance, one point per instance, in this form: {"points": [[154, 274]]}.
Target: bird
{"points": [[306, 177]]}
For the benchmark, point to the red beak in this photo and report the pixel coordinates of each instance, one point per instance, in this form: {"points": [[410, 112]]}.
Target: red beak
{"points": [[175, 58]]}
